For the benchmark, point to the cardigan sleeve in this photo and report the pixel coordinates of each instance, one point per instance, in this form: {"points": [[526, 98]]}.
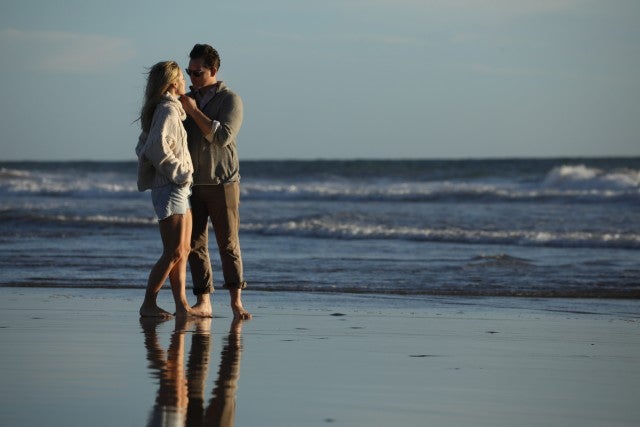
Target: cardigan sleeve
{"points": [[146, 171]]}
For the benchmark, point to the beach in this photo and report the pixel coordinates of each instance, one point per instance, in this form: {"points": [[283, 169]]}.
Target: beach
{"points": [[385, 293], [81, 356]]}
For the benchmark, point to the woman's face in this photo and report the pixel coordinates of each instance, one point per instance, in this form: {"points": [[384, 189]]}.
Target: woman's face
{"points": [[181, 87]]}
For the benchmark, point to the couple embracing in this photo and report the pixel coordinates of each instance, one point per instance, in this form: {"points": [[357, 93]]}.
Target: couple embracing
{"points": [[187, 157]]}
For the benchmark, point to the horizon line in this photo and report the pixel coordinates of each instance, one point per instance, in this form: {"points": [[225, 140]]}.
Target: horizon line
{"points": [[351, 159]]}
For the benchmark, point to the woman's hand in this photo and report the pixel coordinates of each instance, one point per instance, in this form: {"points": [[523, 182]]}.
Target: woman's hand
{"points": [[189, 104]]}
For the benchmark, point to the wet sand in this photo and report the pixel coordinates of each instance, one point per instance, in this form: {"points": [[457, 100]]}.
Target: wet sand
{"points": [[78, 357]]}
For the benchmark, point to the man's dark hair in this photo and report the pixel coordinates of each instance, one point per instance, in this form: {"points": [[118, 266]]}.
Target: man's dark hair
{"points": [[208, 54]]}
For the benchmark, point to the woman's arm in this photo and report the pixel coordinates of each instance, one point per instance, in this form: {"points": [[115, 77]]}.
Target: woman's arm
{"points": [[162, 144]]}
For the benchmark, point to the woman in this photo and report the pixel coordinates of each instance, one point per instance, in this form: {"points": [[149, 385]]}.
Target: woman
{"points": [[164, 166]]}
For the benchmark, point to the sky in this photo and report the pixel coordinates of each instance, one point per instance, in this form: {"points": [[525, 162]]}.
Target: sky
{"points": [[333, 79]]}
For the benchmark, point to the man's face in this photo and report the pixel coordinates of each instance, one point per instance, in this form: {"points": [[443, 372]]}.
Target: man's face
{"points": [[201, 75]]}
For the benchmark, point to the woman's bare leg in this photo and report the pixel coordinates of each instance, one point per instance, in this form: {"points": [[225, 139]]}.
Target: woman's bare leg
{"points": [[172, 264], [178, 274]]}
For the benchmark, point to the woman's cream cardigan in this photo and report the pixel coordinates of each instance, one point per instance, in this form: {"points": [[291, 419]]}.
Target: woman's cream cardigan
{"points": [[163, 155]]}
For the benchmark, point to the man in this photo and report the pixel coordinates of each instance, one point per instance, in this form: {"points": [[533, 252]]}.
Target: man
{"points": [[215, 117]]}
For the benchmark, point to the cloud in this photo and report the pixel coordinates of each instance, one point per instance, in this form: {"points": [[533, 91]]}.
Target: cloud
{"points": [[510, 8], [63, 52], [504, 71], [391, 40], [376, 39], [477, 9]]}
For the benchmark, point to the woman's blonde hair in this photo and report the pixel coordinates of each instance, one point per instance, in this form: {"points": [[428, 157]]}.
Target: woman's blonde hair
{"points": [[160, 77]]}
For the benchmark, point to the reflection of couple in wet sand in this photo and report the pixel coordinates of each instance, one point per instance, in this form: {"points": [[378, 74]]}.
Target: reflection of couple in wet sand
{"points": [[181, 395]]}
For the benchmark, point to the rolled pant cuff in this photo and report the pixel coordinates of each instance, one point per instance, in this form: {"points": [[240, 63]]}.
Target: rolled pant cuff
{"points": [[201, 290], [237, 285]]}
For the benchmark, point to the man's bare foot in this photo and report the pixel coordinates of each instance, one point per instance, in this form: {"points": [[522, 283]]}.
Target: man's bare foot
{"points": [[202, 307], [236, 305], [240, 313], [152, 310]]}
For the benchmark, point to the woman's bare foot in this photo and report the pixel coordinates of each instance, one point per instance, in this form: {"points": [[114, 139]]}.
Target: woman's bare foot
{"points": [[202, 307], [185, 312], [152, 310]]}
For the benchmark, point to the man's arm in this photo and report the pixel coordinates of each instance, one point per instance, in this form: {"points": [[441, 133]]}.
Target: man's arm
{"points": [[204, 123], [230, 117]]}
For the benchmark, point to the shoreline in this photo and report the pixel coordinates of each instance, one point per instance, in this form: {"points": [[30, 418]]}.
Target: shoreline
{"points": [[74, 356], [624, 308], [630, 295]]}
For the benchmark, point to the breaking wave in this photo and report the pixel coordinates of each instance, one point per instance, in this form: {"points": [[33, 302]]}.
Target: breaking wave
{"points": [[570, 182], [331, 229]]}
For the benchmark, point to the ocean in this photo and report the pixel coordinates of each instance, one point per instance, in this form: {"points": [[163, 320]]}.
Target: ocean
{"points": [[536, 228]]}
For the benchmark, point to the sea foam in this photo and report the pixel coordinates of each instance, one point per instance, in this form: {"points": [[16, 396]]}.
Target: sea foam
{"points": [[594, 179]]}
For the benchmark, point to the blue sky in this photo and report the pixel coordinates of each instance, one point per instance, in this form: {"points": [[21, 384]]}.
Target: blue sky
{"points": [[333, 79]]}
